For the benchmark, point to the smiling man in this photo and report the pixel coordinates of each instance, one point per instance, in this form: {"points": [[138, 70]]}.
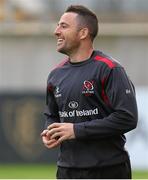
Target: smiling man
{"points": [[91, 104]]}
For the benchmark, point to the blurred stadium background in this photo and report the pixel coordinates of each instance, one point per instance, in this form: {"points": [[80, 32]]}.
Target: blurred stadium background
{"points": [[28, 53]]}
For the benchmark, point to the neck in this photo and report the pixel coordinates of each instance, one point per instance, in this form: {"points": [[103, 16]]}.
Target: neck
{"points": [[81, 54]]}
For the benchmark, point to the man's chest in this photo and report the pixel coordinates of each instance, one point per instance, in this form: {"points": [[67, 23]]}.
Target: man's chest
{"points": [[76, 84]]}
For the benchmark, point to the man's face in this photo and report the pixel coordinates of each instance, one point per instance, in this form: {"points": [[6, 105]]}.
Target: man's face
{"points": [[67, 34]]}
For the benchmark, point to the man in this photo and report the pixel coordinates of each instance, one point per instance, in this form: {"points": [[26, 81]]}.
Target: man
{"points": [[90, 104]]}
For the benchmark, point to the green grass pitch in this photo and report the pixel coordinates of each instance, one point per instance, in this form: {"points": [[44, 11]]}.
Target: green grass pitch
{"points": [[42, 171]]}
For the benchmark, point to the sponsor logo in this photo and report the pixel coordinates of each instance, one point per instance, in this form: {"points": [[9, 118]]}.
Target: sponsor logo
{"points": [[77, 113], [88, 88], [73, 104], [57, 92], [128, 91]]}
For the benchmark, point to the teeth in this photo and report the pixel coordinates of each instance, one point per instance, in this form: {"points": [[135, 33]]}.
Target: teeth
{"points": [[60, 40]]}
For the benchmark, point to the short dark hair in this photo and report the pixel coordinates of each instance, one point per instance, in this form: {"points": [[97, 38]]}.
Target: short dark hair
{"points": [[88, 18]]}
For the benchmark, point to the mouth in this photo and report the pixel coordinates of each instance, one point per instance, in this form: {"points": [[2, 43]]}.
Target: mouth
{"points": [[60, 41]]}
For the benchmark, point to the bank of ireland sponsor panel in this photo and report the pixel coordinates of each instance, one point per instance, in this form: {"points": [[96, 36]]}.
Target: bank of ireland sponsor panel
{"points": [[74, 112]]}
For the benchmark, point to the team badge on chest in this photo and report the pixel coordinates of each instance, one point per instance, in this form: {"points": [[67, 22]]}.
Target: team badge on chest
{"points": [[88, 88]]}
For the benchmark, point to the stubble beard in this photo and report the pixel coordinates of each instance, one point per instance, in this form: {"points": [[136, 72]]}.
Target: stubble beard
{"points": [[69, 50]]}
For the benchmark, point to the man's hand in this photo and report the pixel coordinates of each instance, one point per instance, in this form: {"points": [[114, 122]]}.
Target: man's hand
{"points": [[48, 142], [60, 132]]}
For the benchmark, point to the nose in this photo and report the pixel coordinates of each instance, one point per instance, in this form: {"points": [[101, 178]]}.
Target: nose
{"points": [[57, 31]]}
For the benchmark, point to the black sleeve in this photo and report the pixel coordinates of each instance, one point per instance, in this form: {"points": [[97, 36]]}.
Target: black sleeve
{"points": [[124, 115], [51, 109]]}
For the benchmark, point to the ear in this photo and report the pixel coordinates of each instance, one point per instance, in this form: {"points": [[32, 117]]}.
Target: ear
{"points": [[84, 32]]}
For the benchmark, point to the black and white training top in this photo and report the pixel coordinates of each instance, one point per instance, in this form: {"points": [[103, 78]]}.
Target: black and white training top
{"points": [[98, 97]]}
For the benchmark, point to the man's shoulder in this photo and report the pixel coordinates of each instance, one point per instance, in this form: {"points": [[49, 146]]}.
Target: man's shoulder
{"points": [[60, 65], [105, 60]]}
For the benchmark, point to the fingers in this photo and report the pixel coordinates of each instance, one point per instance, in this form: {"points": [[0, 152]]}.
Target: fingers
{"points": [[44, 132], [61, 131], [52, 144], [54, 125], [49, 143], [56, 135], [62, 138], [45, 139], [53, 131]]}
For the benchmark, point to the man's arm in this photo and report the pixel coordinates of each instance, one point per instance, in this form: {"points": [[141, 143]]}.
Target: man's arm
{"points": [[122, 100], [51, 108], [51, 116]]}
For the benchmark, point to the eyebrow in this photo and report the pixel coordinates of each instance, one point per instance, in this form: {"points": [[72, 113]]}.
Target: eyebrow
{"points": [[63, 23]]}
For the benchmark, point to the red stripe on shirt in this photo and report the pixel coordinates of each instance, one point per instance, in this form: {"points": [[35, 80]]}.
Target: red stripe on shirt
{"points": [[103, 93], [105, 60], [60, 64]]}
